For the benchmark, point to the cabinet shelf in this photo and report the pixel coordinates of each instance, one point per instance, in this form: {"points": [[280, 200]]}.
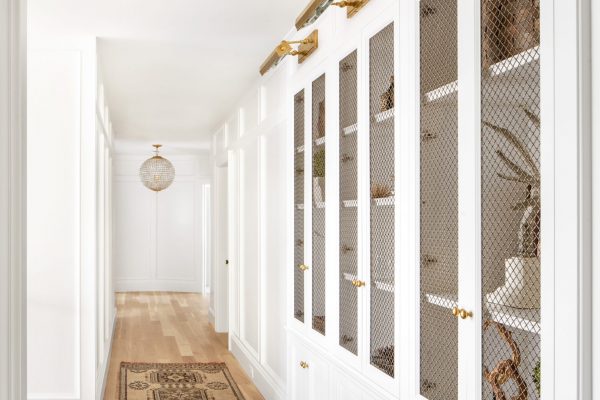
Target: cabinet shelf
{"points": [[385, 116], [349, 130], [448, 92], [320, 141], [384, 201], [350, 203], [527, 320], [300, 149]]}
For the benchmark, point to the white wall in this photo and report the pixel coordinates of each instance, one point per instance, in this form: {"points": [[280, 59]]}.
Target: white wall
{"points": [[70, 300], [251, 143], [158, 236]]}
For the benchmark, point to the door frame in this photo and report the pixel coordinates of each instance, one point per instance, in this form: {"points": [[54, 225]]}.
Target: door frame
{"points": [[13, 108]]}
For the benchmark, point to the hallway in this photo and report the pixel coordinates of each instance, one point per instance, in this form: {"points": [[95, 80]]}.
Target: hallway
{"points": [[169, 327]]}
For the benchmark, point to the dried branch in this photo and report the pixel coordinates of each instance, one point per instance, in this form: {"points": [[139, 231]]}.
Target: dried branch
{"points": [[520, 172], [517, 144]]}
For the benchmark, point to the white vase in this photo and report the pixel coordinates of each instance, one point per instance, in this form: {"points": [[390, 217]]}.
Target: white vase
{"points": [[522, 284], [318, 189]]}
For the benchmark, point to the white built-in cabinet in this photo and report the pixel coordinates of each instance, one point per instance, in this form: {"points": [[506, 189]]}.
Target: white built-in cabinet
{"points": [[420, 147]]}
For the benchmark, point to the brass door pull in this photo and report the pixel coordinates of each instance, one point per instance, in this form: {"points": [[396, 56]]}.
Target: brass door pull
{"points": [[303, 267], [358, 284], [462, 313], [304, 364]]}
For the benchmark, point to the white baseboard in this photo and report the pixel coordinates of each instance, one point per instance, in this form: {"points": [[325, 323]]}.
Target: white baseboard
{"points": [[103, 373], [142, 285], [52, 397], [270, 386]]}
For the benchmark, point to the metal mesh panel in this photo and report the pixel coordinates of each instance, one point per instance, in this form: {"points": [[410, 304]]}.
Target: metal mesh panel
{"points": [[382, 199], [318, 214], [348, 205], [510, 190], [298, 205], [439, 200]]}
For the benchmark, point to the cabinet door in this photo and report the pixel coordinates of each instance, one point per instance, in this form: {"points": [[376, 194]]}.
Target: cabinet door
{"points": [[510, 198], [318, 206], [299, 374], [348, 211], [438, 365], [381, 203], [298, 265]]}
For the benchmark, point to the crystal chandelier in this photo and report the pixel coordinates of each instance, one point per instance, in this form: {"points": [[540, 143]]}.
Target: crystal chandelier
{"points": [[157, 173]]}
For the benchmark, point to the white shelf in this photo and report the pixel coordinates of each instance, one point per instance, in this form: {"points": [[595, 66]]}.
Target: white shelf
{"points": [[319, 204], [349, 130], [300, 149], [384, 116], [320, 141], [350, 203], [385, 286], [300, 206], [384, 201], [517, 318], [350, 277], [525, 58], [449, 91]]}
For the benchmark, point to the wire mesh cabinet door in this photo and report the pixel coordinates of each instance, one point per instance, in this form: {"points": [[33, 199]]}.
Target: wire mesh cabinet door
{"points": [[499, 203], [381, 346]]}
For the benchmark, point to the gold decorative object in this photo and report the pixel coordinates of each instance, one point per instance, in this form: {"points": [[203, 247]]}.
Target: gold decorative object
{"points": [[303, 267], [507, 369], [387, 98], [306, 47], [357, 283], [157, 173], [316, 8], [380, 191]]}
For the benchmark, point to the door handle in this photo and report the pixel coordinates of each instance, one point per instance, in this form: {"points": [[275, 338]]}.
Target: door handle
{"points": [[226, 262]]}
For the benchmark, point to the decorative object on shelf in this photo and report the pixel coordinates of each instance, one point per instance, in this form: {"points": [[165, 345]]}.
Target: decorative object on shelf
{"points": [[319, 176], [537, 377], [345, 67], [427, 10], [346, 158], [522, 273], [511, 27], [321, 120], [383, 359], [346, 249], [299, 314], [505, 370], [387, 98], [299, 171], [428, 259], [157, 173], [299, 242], [306, 47], [316, 8], [381, 191], [427, 385], [347, 339], [319, 323]]}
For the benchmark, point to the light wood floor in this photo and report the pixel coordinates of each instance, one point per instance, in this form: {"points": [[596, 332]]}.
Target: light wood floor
{"points": [[169, 327]]}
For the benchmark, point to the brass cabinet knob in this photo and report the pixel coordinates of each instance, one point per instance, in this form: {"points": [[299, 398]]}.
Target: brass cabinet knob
{"points": [[461, 313], [304, 364], [358, 284], [303, 267], [464, 314]]}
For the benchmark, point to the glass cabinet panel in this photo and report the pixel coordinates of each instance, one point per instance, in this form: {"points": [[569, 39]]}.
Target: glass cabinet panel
{"points": [[348, 203], [318, 210], [510, 198], [382, 221], [439, 200], [299, 206]]}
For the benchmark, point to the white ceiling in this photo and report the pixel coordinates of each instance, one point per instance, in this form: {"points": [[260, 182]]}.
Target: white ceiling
{"points": [[172, 69]]}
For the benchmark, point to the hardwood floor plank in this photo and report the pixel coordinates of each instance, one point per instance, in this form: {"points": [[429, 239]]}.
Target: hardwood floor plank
{"points": [[169, 327]]}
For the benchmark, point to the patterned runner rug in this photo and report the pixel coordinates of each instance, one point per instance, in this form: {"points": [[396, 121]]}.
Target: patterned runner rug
{"points": [[210, 381]]}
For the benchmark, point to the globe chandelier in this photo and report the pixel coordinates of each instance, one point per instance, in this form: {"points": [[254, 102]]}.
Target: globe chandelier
{"points": [[157, 173]]}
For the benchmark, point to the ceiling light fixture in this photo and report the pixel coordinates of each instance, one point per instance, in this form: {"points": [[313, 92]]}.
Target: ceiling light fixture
{"points": [[157, 173]]}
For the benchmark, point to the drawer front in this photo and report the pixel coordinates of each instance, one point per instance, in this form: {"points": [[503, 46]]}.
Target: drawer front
{"points": [[309, 375]]}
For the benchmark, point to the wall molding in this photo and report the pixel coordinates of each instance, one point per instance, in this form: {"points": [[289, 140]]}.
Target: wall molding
{"points": [[271, 387]]}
